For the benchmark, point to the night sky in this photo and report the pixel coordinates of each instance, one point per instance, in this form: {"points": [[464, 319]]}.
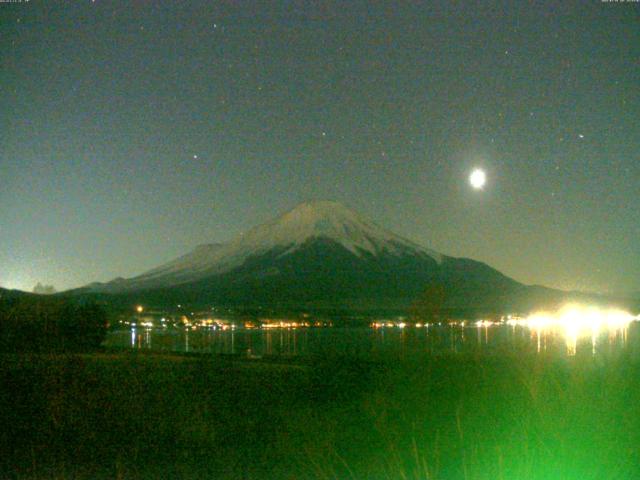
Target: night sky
{"points": [[132, 131]]}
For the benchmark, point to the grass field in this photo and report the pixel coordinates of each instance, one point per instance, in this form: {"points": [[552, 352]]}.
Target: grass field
{"points": [[128, 415]]}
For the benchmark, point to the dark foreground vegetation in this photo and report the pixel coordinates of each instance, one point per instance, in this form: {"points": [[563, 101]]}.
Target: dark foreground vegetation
{"points": [[50, 324], [128, 415]]}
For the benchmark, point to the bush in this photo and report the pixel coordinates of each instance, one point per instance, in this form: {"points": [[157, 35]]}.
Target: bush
{"points": [[47, 325]]}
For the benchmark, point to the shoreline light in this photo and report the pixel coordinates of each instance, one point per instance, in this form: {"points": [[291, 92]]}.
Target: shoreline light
{"points": [[576, 322], [578, 317]]}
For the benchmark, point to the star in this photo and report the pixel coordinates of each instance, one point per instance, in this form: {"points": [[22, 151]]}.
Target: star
{"points": [[195, 157]]}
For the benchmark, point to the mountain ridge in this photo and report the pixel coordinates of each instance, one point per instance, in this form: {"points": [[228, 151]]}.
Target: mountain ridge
{"points": [[322, 254], [322, 219]]}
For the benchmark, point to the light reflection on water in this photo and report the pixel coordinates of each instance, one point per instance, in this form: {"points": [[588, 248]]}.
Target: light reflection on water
{"points": [[365, 341]]}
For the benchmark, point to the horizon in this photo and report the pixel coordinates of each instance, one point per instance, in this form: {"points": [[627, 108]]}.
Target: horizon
{"points": [[49, 289]]}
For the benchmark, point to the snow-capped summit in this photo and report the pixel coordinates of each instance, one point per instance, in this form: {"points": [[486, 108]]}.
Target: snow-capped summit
{"points": [[330, 220], [326, 220], [321, 254]]}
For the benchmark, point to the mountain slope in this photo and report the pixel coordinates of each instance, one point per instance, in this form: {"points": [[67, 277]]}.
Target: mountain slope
{"points": [[323, 272], [285, 235], [320, 254], [6, 294]]}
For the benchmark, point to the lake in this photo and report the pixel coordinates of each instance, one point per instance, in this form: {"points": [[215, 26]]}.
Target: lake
{"points": [[367, 342]]}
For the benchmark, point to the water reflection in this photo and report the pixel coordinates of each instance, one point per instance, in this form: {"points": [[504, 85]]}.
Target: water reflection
{"points": [[575, 323], [141, 338], [552, 337]]}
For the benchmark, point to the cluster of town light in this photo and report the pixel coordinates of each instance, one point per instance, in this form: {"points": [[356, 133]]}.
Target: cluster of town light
{"points": [[577, 318], [571, 317], [576, 321], [194, 322], [284, 324], [450, 323]]}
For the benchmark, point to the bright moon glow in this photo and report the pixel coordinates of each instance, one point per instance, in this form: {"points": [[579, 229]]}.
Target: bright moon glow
{"points": [[477, 179]]}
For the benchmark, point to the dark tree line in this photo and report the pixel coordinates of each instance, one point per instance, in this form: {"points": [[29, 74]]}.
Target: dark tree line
{"points": [[50, 325]]}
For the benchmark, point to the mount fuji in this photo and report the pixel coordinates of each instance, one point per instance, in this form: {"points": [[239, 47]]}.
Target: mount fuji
{"points": [[326, 255]]}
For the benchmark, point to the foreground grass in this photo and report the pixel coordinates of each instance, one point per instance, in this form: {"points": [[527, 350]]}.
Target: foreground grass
{"points": [[130, 415]]}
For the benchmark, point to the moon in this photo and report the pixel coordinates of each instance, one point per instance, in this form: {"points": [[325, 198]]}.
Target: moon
{"points": [[477, 179]]}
